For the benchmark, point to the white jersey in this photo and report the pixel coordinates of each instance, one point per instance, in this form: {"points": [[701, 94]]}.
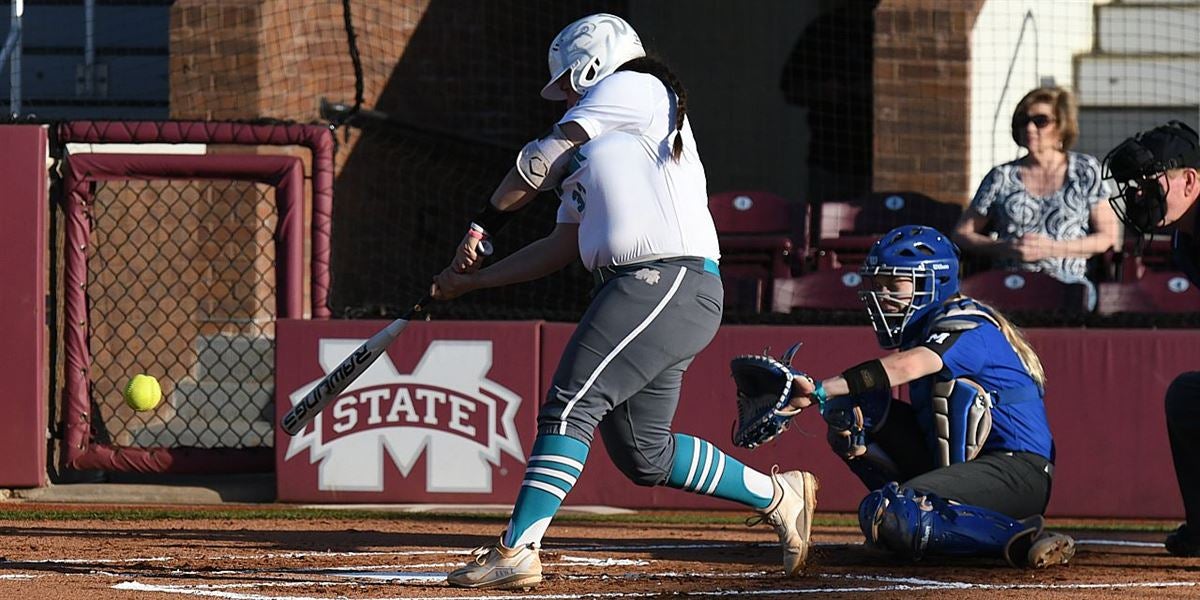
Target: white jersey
{"points": [[632, 201]]}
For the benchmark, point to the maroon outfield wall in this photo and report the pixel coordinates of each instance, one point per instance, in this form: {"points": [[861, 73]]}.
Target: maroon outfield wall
{"points": [[1104, 400]]}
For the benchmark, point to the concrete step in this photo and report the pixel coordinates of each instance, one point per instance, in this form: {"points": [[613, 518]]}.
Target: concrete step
{"points": [[216, 433], [158, 488], [1133, 81], [224, 357], [1146, 28], [229, 400]]}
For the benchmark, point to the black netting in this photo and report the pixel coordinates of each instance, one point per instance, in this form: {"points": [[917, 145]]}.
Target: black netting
{"points": [[836, 107]]}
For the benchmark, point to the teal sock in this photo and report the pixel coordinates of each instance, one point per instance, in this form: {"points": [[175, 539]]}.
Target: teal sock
{"points": [[554, 466], [702, 468]]}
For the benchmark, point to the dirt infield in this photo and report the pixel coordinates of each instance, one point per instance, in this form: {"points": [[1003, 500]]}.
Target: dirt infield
{"points": [[87, 552]]}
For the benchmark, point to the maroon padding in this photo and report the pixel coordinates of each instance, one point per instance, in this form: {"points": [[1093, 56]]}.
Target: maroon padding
{"points": [[1104, 396], [285, 173], [318, 139], [23, 212], [1021, 290]]}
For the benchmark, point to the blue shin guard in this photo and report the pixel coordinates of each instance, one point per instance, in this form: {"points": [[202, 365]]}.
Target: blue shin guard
{"points": [[915, 526]]}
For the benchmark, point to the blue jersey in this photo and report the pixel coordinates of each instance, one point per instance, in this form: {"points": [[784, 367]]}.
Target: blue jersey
{"points": [[982, 354]]}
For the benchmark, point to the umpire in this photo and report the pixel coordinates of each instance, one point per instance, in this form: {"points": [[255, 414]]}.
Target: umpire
{"points": [[1158, 186]]}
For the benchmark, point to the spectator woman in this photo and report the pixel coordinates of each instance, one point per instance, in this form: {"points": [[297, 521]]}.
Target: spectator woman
{"points": [[1046, 211]]}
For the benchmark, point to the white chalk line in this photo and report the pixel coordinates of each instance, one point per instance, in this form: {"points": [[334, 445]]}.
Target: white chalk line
{"points": [[88, 561], [1131, 543], [931, 586], [624, 548], [372, 571], [456, 552]]}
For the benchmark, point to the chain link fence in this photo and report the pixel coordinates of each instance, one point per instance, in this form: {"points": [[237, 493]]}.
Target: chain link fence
{"points": [[181, 286]]}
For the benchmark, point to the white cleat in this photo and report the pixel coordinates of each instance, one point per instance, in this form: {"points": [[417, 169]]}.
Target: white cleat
{"points": [[790, 514], [498, 567], [1050, 549]]}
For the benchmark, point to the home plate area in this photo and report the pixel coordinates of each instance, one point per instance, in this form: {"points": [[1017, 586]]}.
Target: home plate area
{"points": [[269, 559]]}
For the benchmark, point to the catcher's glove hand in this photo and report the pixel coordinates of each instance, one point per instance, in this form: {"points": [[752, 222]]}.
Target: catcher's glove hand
{"points": [[764, 389], [847, 435], [852, 419]]}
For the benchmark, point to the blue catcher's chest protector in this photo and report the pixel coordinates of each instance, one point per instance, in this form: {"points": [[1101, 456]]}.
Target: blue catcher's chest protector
{"points": [[982, 355]]}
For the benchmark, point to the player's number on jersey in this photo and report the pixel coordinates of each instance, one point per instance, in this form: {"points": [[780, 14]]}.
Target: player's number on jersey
{"points": [[577, 198]]}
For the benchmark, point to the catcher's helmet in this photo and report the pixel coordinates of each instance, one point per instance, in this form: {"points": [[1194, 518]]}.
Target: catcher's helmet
{"points": [[591, 49], [922, 254]]}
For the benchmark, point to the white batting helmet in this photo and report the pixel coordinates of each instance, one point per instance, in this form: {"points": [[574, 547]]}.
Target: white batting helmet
{"points": [[591, 49]]}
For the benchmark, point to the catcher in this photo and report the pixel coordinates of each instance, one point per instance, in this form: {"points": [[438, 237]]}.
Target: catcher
{"points": [[964, 469]]}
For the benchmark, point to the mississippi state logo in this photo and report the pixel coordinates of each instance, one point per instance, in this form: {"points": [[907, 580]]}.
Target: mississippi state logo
{"points": [[446, 408]]}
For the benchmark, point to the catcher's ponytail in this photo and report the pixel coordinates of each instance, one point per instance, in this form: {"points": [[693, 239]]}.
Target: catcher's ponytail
{"points": [[1025, 351]]}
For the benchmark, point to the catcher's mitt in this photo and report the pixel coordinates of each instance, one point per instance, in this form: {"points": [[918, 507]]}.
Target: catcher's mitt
{"points": [[764, 388]]}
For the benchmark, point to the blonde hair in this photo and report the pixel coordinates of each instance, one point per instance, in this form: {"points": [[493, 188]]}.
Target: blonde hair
{"points": [[1024, 350], [1066, 114]]}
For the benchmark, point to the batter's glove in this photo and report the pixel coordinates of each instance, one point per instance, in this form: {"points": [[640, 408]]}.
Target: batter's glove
{"points": [[764, 388]]}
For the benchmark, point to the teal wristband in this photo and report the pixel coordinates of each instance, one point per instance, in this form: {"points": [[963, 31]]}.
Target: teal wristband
{"points": [[820, 395]]}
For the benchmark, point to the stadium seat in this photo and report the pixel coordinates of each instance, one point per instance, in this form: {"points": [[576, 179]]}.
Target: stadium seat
{"points": [[1025, 290], [1154, 292], [758, 238], [843, 231], [825, 289], [1132, 262]]}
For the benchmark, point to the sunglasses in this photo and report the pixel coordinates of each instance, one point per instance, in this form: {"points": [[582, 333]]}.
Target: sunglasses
{"points": [[1039, 121]]}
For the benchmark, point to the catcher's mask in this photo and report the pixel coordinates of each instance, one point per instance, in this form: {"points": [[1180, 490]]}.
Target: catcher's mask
{"points": [[1136, 165], [921, 254]]}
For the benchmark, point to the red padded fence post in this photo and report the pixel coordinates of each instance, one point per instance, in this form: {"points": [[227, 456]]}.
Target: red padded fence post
{"points": [[23, 211]]}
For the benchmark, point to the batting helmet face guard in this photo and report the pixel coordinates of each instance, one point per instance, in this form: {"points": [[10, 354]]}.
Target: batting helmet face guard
{"points": [[922, 255], [589, 50], [1136, 166]]}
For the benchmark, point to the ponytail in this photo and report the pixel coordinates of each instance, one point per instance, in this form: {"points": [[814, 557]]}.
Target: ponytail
{"points": [[1025, 352], [655, 67]]}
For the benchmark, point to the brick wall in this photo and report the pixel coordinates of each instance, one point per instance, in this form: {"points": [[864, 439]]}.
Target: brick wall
{"points": [[214, 58], [922, 92]]}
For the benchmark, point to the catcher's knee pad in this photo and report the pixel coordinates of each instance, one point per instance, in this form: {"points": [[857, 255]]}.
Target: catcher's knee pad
{"points": [[962, 420], [914, 526], [870, 510]]}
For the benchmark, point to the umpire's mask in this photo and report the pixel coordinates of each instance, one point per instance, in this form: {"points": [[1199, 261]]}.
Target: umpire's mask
{"points": [[1135, 166]]}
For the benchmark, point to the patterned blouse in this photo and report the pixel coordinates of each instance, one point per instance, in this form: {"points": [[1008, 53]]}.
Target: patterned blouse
{"points": [[1063, 215]]}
